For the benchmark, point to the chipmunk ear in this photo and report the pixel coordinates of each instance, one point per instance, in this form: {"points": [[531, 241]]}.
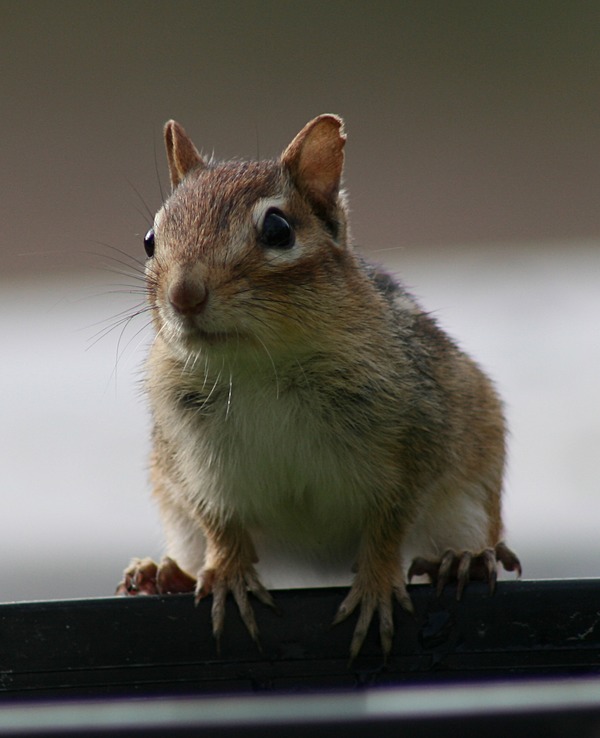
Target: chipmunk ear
{"points": [[315, 159], [182, 155]]}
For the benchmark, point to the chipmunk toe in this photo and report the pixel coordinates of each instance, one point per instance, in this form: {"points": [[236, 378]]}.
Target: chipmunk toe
{"points": [[372, 601], [139, 578], [240, 581], [463, 566], [146, 577]]}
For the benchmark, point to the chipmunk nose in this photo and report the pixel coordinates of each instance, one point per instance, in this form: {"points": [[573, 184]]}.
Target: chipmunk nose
{"points": [[188, 297]]}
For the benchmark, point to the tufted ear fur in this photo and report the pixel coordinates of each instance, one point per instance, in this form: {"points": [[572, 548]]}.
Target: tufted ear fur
{"points": [[182, 155], [315, 159]]}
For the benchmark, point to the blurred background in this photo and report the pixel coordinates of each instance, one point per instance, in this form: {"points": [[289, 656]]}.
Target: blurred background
{"points": [[474, 173]]}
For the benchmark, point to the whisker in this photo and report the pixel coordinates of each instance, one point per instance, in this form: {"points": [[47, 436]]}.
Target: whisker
{"points": [[119, 353], [387, 249], [213, 388], [160, 187], [186, 367], [129, 342], [229, 394], [257, 142], [120, 323], [116, 290], [125, 272], [269, 355], [145, 205], [138, 310], [205, 372], [122, 289], [132, 261], [301, 321]]}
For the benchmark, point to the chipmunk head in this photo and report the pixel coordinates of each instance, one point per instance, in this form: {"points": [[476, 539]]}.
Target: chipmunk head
{"points": [[244, 252]]}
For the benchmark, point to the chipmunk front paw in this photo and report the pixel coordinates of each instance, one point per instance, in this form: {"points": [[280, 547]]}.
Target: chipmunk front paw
{"points": [[372, 598], [145, 577], [462, 566], [239, 580]]}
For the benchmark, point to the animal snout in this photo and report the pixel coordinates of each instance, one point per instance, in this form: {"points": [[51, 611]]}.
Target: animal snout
{"points": [[188, 297]]}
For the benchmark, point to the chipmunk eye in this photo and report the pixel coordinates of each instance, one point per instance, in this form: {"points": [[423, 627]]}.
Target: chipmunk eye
{"points": [[276, 232], [149, 243]]}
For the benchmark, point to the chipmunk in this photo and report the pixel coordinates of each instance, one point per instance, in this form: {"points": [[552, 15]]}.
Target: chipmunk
{"points": [[301, 395]]}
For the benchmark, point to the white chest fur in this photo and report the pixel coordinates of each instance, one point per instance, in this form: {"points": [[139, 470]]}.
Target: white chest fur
{"points": [[270, 455]]}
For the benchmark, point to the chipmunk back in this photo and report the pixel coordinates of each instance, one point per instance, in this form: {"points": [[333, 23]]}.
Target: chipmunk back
{"points": [[301, 396]]}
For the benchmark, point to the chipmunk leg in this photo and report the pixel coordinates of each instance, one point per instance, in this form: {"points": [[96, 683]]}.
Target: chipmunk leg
{"points": [[378, 582], [463, 566], [229, 567]]}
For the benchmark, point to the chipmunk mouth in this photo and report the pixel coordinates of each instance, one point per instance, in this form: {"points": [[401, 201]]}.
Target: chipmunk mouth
{"points": [[194, 337], [189, 330], [213, 338], [194, 334]]}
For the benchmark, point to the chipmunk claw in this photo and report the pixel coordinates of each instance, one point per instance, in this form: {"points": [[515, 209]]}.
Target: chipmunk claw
{"points": [[371, 602], [146, 577], [239, 582], [139, 578], [464, 566]]}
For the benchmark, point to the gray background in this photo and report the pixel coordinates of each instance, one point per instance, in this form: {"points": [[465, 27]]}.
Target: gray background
{"points": [[473, 172]]}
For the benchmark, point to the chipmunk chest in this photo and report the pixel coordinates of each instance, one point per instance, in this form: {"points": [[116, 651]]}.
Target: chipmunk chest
{"points": [[275, 458], [275, 440]]}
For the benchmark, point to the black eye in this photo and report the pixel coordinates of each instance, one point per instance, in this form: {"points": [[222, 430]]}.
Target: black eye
{"points": [[149, 243], [276, 232]]}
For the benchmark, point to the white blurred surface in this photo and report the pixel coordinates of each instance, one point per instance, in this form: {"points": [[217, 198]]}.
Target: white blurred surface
{"points": [[75, 504]]}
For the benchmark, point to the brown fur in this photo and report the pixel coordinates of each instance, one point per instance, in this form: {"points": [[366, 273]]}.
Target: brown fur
{"points": [[302, 395]]}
